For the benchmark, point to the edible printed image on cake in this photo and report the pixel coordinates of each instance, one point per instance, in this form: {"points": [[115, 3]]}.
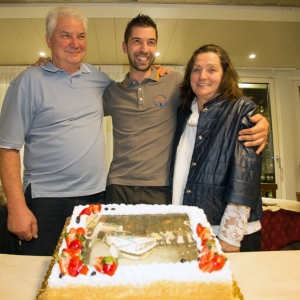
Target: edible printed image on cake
{"points": [[149, 239]]}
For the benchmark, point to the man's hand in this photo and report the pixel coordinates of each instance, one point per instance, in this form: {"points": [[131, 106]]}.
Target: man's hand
{"points": [[42, 61], [256, 135], [22, 223], [162, 70]]}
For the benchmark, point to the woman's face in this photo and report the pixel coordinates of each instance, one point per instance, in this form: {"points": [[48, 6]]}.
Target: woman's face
{"points": [[206, 76]]}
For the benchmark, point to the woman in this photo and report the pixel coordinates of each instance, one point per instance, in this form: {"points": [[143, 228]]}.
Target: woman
{"points": [[210, 168]]}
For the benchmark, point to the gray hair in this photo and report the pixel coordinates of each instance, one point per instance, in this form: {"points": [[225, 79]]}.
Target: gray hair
{"points": [[64, 11]]}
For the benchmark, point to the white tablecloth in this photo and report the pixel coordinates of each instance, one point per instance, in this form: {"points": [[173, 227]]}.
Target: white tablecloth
{"points": [[260, 275], [281, 203]]}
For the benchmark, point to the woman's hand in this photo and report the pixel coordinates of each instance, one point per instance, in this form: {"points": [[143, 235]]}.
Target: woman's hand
{"points": [[228, 248]]}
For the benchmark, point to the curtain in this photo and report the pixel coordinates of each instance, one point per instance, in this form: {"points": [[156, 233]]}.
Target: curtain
{"points": [[116, 73], [7, 74]]}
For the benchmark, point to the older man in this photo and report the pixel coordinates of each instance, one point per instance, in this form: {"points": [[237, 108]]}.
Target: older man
{"points": [[56, 111]]}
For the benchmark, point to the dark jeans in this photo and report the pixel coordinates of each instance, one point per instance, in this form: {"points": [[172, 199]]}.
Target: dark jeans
{"points": [[138, 194], [51, 215], [251, 242]]}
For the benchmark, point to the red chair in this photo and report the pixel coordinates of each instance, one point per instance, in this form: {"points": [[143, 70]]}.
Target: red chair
{"points": [[279, 229]]}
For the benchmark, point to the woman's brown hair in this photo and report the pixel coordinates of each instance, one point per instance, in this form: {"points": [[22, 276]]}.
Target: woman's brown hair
{"points": [[228, 88]]}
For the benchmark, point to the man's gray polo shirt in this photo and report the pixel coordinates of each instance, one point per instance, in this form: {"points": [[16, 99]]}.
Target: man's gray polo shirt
{"points": [[144, 120], [59, 117]]}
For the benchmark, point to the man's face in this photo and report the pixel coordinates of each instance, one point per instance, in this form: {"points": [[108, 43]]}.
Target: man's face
{"points": [[67, 44], [141, 47]]}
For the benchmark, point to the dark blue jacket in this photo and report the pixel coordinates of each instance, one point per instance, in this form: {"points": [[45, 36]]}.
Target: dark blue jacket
{"points": [[222, 170]]}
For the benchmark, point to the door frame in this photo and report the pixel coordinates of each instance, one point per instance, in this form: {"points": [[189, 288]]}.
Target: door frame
{"points": [[296, 92]]}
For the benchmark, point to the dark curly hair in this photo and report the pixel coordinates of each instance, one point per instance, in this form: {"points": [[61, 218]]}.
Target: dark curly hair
{"points": [[139, 21], [228, 88]]}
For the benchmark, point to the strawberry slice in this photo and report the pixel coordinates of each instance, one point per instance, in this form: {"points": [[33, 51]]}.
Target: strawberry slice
{"points": [[93, 208], [219, 261], [211, 261], [205, 258], [106, 265], [63, 265], [209, 245], [203, 233], [86, 211], [76, 244], [80, 231], [74, 266], [208, 267], [97, 263], [70, 236], [71, 252], [96, 208], [84, 270]]}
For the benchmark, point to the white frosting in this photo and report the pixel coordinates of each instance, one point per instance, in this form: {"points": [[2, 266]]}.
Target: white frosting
{"points": [[143, 274]]}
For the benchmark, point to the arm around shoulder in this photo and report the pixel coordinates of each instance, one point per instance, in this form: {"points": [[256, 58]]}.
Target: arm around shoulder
{"points": [[256, 135]]}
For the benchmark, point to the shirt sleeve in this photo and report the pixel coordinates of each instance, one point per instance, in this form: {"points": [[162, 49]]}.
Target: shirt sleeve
{"points": [[233, 224], [16, 117]]}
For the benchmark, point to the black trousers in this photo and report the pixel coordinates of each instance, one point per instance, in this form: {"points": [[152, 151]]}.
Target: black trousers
{"points": [[9, 243], [138, 194], [251, 242], [51, 215]]}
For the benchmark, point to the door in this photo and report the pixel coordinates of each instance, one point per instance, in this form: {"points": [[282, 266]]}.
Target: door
{"points": [[262, 92]]}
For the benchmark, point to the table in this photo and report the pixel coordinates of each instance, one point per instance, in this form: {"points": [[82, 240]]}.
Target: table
{"points": [[260, 275], [21, 276], [272, 275], [292, 205]]}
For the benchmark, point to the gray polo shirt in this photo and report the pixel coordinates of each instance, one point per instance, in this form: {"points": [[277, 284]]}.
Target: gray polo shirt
{"points": [[59, 118], [144, 120]]}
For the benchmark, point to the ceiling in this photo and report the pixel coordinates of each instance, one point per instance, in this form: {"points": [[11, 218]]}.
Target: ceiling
{"points": [[268, 28]]}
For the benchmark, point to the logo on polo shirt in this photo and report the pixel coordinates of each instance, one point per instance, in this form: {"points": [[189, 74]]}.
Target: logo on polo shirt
{"points": [[160, 101]]}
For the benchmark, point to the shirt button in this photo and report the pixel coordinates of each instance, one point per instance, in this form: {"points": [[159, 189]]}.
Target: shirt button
{"points": [[141, 99], [200, 137], [140, 89], [194, 164], [188, 191], [205, 109]]}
